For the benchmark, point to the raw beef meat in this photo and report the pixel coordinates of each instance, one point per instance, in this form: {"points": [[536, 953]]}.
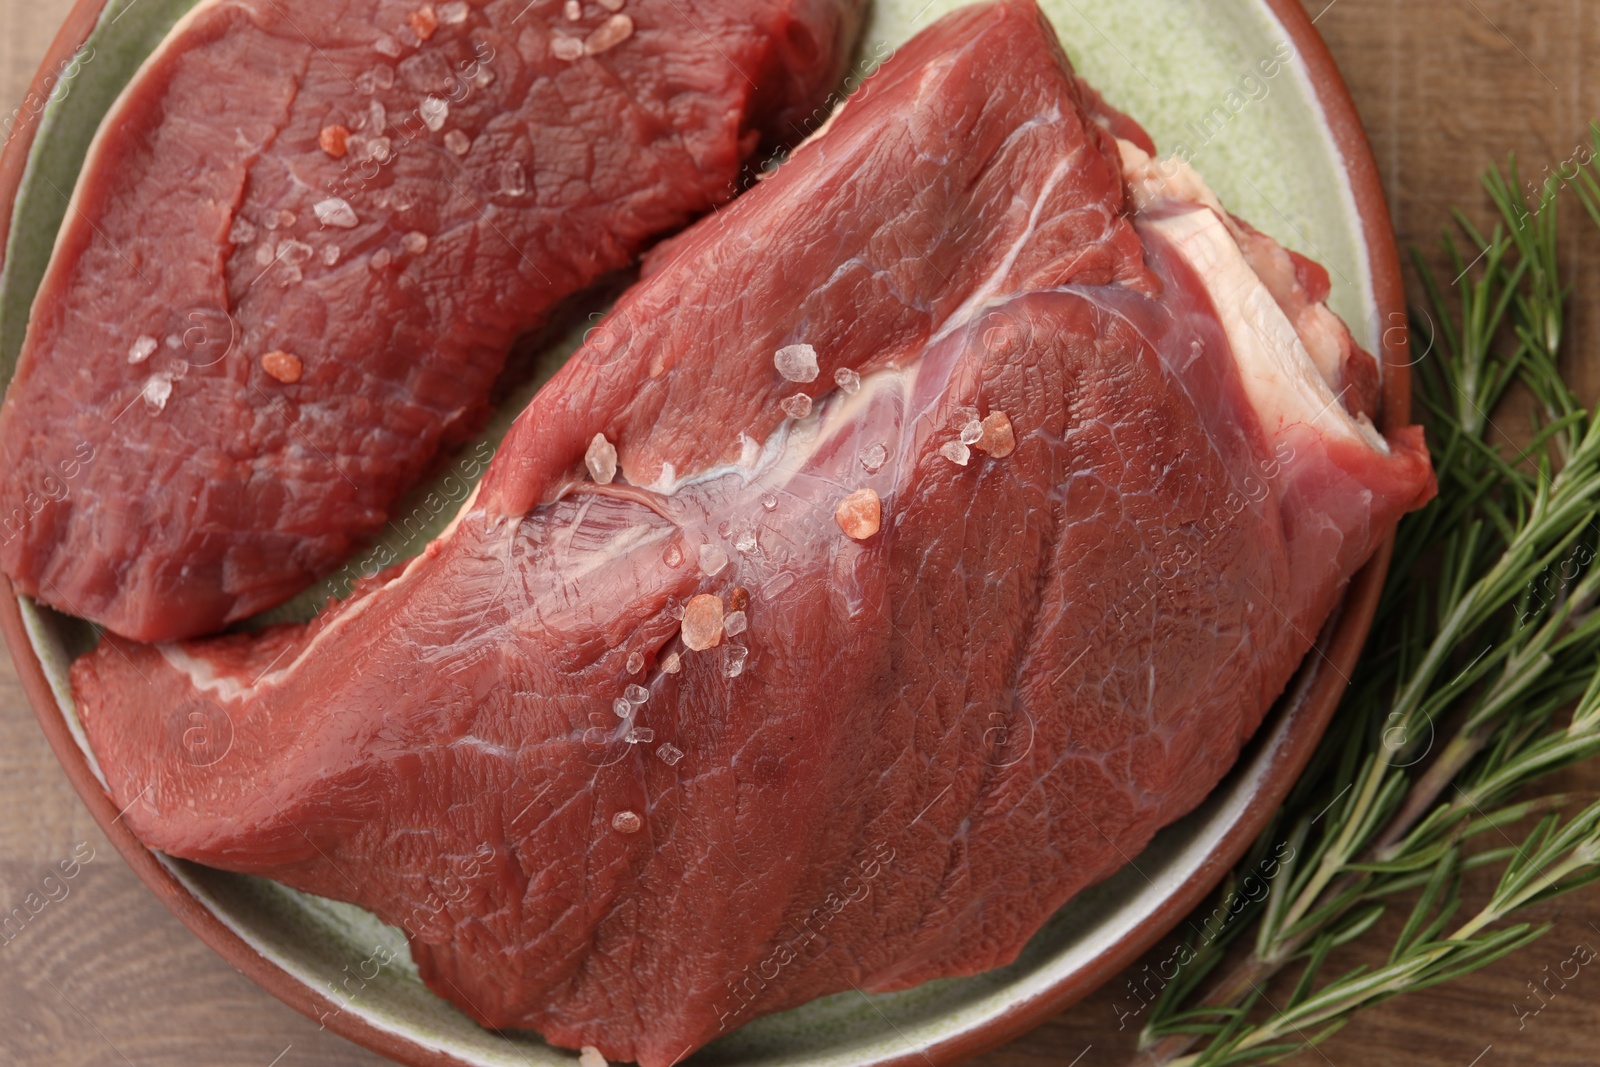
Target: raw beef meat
{"points": [[303, 243], [928, 529]]}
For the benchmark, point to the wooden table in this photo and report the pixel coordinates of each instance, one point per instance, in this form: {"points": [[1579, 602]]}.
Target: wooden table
{"points": [[106, 976]]}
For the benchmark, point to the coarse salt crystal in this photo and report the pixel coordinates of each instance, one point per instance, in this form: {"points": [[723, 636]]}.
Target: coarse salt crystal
{"points": [[860, 515], [424, 21], [673, 556], [336, 212], [381, 259], [415, 242], [797, 406], [735, 623], [513, 179], [640, 735], [636, 694], [972, 432], [435, 111], [242, 232], [737, 655], [672, 664], [334, 140], [143, 348], [622, 707], [295, 253], [386, 46], [712, 559], [956, 453], [567, 48], [379, 149], [266, 254], [282, 366], [635, 663], [769, 502], [601, 459], [847, 380], [458, 142], [383, 77], [797, 363], [331, 254], [873, 457], [669, 754], [612, 32], [573, 10], [156, 391], [702, 622], [453, 13], [625, 822], [999, 439]]}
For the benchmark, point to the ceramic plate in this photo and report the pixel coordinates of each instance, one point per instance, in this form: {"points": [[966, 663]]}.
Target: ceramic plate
{"points": [[1246, 91]]}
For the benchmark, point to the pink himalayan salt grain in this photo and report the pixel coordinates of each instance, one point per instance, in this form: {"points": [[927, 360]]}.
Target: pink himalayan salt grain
{"points": [[601, 459], [612, 32], [999, 439], [797, 363], [702, 622], [956, 452], [424, 21], [282, 366], [334, 140], [860, 515]]}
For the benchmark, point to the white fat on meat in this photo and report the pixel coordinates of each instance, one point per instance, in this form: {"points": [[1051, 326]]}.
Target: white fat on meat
{"points": [[1159, 185], [1289, 349]]}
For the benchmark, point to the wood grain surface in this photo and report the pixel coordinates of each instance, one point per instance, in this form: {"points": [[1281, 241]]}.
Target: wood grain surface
{"points": [[105, 976]]}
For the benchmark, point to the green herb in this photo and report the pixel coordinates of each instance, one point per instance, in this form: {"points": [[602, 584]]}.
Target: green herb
{"points": [[1482, 676]]}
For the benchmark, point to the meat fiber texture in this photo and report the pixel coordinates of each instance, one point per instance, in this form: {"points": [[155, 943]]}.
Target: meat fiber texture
{"points": [[303, 243], [709, 704]]}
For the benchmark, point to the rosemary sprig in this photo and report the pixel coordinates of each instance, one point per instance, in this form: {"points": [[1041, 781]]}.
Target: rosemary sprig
{"points": [[1481, 678]]}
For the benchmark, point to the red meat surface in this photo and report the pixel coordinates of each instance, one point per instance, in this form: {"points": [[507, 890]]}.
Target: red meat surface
{"points": [[597, 816], [302, 245]]}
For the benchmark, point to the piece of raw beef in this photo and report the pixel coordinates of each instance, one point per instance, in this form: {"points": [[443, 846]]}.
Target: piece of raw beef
{"points": [[928, 529], [303, 243]]}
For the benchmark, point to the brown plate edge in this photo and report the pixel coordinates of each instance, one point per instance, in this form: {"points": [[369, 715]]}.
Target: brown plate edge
{"points": [[1340, 649]]}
